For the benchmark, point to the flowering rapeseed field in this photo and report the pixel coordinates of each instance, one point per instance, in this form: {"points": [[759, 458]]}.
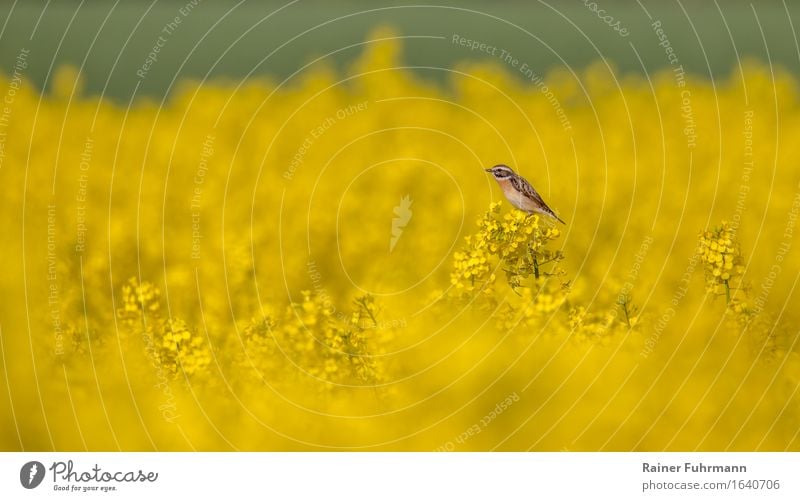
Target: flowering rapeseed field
{"points": [[324, 264]]}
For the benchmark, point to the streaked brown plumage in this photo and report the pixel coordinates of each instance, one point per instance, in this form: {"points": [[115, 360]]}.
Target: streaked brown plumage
{"points": [[520, 193]]}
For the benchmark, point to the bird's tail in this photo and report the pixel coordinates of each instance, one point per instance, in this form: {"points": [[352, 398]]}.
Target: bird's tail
{"points": [[553, 214]]}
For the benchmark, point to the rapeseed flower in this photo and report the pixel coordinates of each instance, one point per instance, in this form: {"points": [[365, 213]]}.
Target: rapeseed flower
{"points": [[277, 306]]}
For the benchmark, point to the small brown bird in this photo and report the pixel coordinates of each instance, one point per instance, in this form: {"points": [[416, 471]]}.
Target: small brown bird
{"points": [[520, 193]]}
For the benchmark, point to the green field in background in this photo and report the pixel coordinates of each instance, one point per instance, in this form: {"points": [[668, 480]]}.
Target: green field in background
{"points": [[110, 41]]}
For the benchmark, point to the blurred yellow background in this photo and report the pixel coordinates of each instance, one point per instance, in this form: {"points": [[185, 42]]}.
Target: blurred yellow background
{"points": [[267, 266]]}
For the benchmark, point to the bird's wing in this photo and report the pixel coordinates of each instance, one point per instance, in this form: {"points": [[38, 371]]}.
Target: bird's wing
{"points": [[530, 192]]}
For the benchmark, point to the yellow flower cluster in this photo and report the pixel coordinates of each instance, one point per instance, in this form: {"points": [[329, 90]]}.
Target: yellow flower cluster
{"points": [[311, 339], [181, 349], [514, 242], [595, 327], [472, 265], [533, 305], [289, 239], [139, 300], [169, 341], [722, 260]]}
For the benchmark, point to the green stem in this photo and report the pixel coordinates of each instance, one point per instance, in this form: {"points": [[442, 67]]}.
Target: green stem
{"points": [[727, 292], [535, 267], [374, 320], [627, 316], [363, 303]]}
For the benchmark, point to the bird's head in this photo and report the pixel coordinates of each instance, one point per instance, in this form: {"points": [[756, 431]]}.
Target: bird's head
{"points": [[501, 172]]}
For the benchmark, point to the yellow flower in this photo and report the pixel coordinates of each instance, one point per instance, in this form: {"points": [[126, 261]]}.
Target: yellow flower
{"points": [[262, 211], [723, 263]]}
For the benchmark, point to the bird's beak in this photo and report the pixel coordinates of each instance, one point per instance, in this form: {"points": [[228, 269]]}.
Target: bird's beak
{"points": [[488, 170]]}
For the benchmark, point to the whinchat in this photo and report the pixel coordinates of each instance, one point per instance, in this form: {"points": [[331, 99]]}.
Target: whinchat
{"points": [[520, 193]]}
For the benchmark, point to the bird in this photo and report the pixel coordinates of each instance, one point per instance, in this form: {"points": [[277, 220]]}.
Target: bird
{"points": [[520, 193]]}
